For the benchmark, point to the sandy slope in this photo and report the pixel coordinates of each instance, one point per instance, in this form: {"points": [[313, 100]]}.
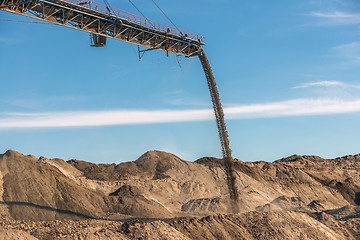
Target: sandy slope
{"points": [[299, 197], [35, 190], [277, 225]]}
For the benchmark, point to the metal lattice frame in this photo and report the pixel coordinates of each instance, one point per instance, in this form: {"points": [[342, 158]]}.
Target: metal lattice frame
{"points": [[83, 17]]}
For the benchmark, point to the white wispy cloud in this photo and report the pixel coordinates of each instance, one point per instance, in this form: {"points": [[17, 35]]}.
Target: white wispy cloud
{"points": [[100, 118], [323, 83], [337, 18], [326, 84], [349, 53], [296, 107]]}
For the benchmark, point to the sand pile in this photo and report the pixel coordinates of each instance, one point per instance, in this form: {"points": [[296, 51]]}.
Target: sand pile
{"points": [[160, 194], [253, 225]]}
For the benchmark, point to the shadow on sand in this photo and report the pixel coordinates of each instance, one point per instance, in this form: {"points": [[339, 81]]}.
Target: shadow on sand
{"points": [[47, 208]]}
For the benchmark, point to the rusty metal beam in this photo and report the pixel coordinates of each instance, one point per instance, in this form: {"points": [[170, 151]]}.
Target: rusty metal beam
{"points": [[71, 14]]}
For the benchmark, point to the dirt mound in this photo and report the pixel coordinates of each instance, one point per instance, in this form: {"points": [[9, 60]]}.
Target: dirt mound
{"points": [[345, 212], [160, 186], [129, 200], [316, 205], [36, 190], [285, 203], [255, 225], [340, 174], [105, 172], [205, 205], [155, 230], [348, 189], [9, 234], [152, 164], [247, 226]]}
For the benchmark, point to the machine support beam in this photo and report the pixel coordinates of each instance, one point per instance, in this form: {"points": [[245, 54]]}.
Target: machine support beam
{"points": [[94, 18]]}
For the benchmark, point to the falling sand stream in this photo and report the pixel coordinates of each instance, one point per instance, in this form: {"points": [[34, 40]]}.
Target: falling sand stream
{"points": [[223, 134]]}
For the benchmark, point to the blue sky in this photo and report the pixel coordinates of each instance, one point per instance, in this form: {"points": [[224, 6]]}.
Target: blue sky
{"points": [[287, 72]]}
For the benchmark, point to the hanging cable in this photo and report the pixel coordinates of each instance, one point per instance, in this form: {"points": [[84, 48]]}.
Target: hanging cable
{"points": [[178, 62], [166, 16], [108, 7], [140, 12]]}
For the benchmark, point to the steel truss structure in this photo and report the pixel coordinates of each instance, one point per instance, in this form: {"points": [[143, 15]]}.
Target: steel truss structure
{"points": [[90, 17]]}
